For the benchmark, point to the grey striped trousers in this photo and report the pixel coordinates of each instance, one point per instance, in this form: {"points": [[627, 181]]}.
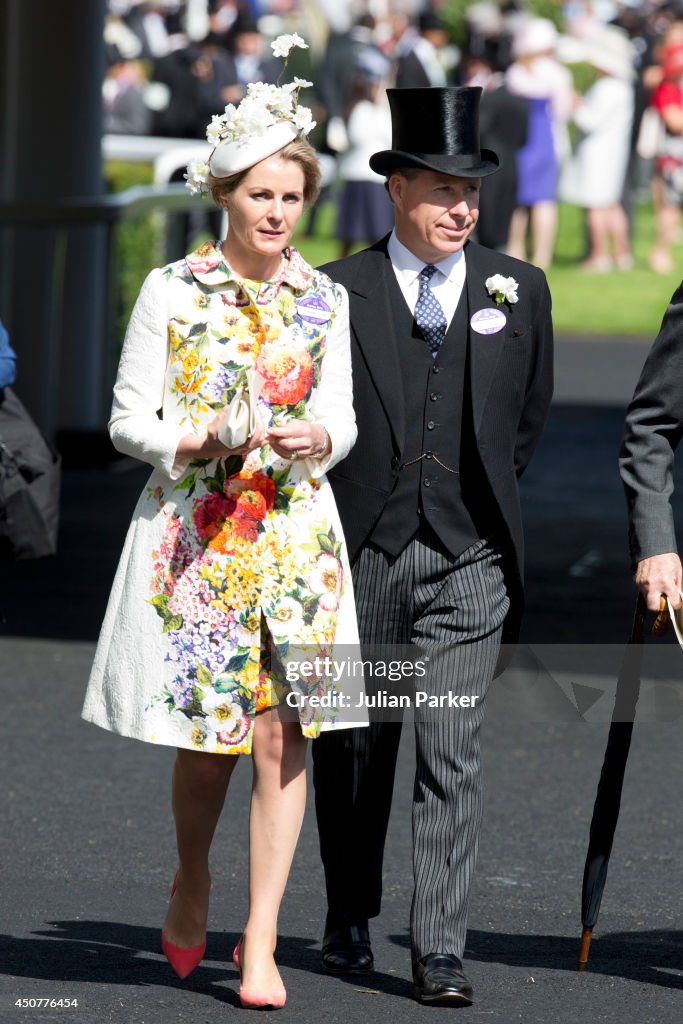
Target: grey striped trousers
{"points": [[453, 609]]}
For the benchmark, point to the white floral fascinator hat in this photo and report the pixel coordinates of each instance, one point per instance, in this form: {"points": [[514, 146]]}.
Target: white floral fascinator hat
{"points": [[266, 119]]}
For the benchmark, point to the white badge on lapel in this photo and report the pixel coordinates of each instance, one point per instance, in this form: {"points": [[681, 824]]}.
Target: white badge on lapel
{"points": [[488, 321]]}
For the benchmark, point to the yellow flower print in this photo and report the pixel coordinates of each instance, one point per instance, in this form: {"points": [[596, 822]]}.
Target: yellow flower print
{"points": [[248, 347], [175, 339], [190, 364], [198, 735]]}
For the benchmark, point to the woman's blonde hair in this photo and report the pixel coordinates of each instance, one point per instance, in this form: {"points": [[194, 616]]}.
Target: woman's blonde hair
{"points": [[299, 151]]}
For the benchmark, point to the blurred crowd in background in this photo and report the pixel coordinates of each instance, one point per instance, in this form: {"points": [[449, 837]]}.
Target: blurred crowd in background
{"points": [[586, 108]]}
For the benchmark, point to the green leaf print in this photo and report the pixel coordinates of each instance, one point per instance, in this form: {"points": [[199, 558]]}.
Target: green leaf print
{"points": [[195, 705], [204, 676], [325, 543], [282, 502], [280, 478], [237, 662], [310, 608], [232, 465], [171, 622], [187, 483], [223, 684], [197, 329], [160, 602]]}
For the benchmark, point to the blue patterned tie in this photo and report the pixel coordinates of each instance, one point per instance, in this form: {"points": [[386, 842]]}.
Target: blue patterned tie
{"points": [[429, 316]]}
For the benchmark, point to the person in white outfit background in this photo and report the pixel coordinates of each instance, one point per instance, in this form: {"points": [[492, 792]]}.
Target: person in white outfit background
{"points": [[365, 210], [594, 176]]}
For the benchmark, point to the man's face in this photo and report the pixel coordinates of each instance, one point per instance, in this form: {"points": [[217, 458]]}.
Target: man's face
{"points": [[435, 213]]}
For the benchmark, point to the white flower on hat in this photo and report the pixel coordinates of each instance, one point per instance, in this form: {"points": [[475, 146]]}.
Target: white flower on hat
{"points": [[262, 107], [195, 178], [282, 46], [503, 289], [298, 83], [303, 120]]}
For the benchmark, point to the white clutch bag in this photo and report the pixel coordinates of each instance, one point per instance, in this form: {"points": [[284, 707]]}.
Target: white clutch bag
{"points": [[240, 419]]}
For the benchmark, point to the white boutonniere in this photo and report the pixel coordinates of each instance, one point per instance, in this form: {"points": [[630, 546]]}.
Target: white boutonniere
{"points": [[503, 289]]}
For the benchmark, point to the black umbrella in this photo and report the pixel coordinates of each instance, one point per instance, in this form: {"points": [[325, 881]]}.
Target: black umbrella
{"points": [[608, 797]]}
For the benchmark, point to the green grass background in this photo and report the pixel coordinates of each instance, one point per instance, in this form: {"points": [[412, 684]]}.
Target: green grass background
{"points": [[622, 303]]}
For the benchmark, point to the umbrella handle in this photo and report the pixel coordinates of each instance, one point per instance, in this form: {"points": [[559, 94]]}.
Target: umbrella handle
{"points": [[661, 623], [586, 936]]}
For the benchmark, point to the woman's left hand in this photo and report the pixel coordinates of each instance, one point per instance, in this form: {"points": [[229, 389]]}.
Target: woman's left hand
{"points": [[299, 440]]}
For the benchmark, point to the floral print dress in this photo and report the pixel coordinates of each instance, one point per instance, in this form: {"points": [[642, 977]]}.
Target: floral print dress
{"points": [[231, 564]]}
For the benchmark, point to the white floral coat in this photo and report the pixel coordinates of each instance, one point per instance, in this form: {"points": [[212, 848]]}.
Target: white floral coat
{"points": [[227, 561]]}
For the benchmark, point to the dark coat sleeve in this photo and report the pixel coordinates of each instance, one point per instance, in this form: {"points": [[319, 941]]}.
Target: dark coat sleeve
{"points": [[654, 422]]}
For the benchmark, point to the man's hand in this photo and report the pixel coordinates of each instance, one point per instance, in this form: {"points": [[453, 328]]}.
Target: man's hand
{"points": [[660, 574]]}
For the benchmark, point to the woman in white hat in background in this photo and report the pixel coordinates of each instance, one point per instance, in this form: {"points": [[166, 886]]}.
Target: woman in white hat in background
{"points": [[594, 176], [234, 555]]}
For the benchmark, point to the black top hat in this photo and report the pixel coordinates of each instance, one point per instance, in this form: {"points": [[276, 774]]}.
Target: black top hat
{"points": [[438, 129]]}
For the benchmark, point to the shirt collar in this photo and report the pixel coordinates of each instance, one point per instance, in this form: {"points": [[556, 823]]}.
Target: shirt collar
{"points": [[209, 266], [409, 265]]}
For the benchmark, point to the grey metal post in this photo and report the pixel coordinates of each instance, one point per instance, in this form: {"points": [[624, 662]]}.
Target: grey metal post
{"points": [[52, 281]]}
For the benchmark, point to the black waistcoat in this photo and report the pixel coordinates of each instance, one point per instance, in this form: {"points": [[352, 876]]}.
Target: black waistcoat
{"points": [[447, 486]]}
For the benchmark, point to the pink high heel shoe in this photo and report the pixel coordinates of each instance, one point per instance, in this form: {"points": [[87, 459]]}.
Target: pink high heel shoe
{"points": [[182, 960], [252, 1000]]}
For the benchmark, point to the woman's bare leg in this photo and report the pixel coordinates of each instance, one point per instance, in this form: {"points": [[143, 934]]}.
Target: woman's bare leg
{"points": [[278, 800], [599, 256], [619, 230], [519, 223], [543, 232], [200, 782]]}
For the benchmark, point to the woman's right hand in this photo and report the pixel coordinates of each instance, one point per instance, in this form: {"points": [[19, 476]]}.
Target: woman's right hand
{"points": [[208, 446]]}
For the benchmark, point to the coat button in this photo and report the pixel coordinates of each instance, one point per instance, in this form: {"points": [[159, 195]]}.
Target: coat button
{"points": [[394, 462], [428, 455], [435, 369], [427, 482], [434, 397], [430, 425]]}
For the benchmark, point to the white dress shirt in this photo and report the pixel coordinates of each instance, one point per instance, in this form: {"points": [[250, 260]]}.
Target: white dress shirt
{"points": [[447, 283]]}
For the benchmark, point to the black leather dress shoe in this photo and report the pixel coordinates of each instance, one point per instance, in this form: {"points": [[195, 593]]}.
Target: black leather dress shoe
{"points": [[440, 981], [346, 948]]}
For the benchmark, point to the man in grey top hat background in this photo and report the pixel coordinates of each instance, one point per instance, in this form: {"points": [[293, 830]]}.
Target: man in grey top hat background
{"points": [[452, 373], [654, 425]]}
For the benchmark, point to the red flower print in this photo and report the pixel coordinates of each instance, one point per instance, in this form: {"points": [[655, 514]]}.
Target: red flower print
{"points": [[260, 483], [287, 371], [210, 513], [205, 259]]}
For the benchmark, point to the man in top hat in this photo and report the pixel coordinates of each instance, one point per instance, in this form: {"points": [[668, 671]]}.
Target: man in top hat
{"points": [[452, 375]]}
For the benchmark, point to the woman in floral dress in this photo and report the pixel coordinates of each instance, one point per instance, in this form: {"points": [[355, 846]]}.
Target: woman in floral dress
{"points": [[234, 558]]}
